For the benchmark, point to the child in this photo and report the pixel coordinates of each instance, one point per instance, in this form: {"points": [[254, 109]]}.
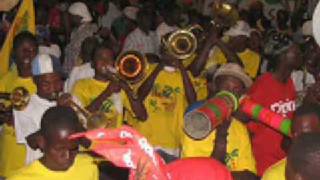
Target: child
{"points": [[61, 159]]}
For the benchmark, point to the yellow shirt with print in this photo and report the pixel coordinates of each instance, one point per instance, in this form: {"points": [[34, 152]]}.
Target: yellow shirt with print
{"points": [[239, 152], [165, 105], [250, 60], [12, 154], [86, 90], [83, 168], [276, 171]]}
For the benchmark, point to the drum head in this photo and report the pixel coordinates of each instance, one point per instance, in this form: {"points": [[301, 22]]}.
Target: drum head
{"points": [[197, 126]]}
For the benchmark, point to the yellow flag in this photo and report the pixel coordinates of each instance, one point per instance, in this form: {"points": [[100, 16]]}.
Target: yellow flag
{"points": [[24, 21]]}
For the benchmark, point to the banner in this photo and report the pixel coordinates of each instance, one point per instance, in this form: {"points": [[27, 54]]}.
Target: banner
{"points": [[24, 21]]}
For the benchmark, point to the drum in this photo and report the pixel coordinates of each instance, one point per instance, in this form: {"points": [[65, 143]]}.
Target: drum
{"points": [[203, 117], [265, 116]]}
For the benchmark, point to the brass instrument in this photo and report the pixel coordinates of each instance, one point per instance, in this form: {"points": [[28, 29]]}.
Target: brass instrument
{"points": [[131, 67], [92, 120], [225, 13], [19, 98], [182, 43]]}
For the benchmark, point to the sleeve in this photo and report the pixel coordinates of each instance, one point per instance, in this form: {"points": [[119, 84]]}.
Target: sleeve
{"points": [[246, 160], [21, 133], [78, 91], [217, 57]]}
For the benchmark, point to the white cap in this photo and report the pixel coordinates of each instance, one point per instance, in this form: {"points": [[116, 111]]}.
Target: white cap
{"points": [[45, 64], [241, 28], [80, 9], [307, 28], [53, 50], [316, 24]]}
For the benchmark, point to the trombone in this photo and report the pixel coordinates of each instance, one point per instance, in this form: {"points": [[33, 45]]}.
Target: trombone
{"points": [[182, 43]]}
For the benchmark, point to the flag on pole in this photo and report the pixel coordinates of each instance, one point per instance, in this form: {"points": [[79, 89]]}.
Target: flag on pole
{"points": [[24, 21]]}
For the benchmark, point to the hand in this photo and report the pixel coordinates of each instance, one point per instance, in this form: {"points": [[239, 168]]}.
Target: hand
{"points": [[65, 100], [178, 64], [114, 87]]}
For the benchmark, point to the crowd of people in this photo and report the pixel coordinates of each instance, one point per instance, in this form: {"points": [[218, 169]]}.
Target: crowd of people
{"points": [[69, 69]]}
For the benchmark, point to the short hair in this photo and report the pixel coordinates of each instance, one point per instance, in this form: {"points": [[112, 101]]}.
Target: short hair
{"points": [[304, 156], [308, 108], [88, 46], [58, 117], [100, 47], [24, 36]]}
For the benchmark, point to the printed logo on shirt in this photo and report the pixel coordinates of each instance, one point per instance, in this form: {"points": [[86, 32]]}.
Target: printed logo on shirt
{"points": [[283, 107], [164, 98], [231, 158]]}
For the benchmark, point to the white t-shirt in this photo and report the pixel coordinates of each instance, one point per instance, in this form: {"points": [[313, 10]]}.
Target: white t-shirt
{"points": [[80, 72], [28, 122], [137, 40], [164, 29]]}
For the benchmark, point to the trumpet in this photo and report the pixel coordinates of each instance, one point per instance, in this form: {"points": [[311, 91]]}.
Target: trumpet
{"points": [[131, 67], [19, 98], [226, 12], [182, 43], [92, 120]]}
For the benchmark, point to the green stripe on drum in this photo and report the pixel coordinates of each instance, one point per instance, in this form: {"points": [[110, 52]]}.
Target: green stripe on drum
{"points": [[285, 127], [231, 96], [256, 112], [215, 109]]}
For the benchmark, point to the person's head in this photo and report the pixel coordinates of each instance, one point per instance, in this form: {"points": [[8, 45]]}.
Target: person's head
{"points": [[306, 120], [303, 161], [79, 13], [87, 48], [288, 57], [172, 15], [57, 124], [238, 36], [25, 49], [231, 77], [144, 20], [47, 76], [103, 61]]}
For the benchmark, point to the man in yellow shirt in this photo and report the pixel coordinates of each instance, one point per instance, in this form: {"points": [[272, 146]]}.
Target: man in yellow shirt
{"points": [[166, 93], [306, 120], [25, 47], [233, 47], [61, 159], [230, 142], [103, 93]]}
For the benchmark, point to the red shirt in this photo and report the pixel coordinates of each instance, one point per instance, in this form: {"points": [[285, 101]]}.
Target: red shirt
{"points": [[280, 98]]}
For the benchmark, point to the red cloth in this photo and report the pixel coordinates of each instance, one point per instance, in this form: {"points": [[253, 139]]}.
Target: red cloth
{"points": [[198, 168], [280, 98]]}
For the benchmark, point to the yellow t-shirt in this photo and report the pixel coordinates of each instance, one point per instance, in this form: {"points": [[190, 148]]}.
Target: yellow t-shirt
{"points": [[276, 171], [86, 90], [83, 168], [165, 105], [239, 152], [250, 60], [12, 154], [200, 86]]}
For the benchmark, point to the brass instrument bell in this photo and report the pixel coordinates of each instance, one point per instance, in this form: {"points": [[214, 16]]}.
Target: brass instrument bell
{"points": [[182, 43], [19, 98], [131, 66], [226, 12]]}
